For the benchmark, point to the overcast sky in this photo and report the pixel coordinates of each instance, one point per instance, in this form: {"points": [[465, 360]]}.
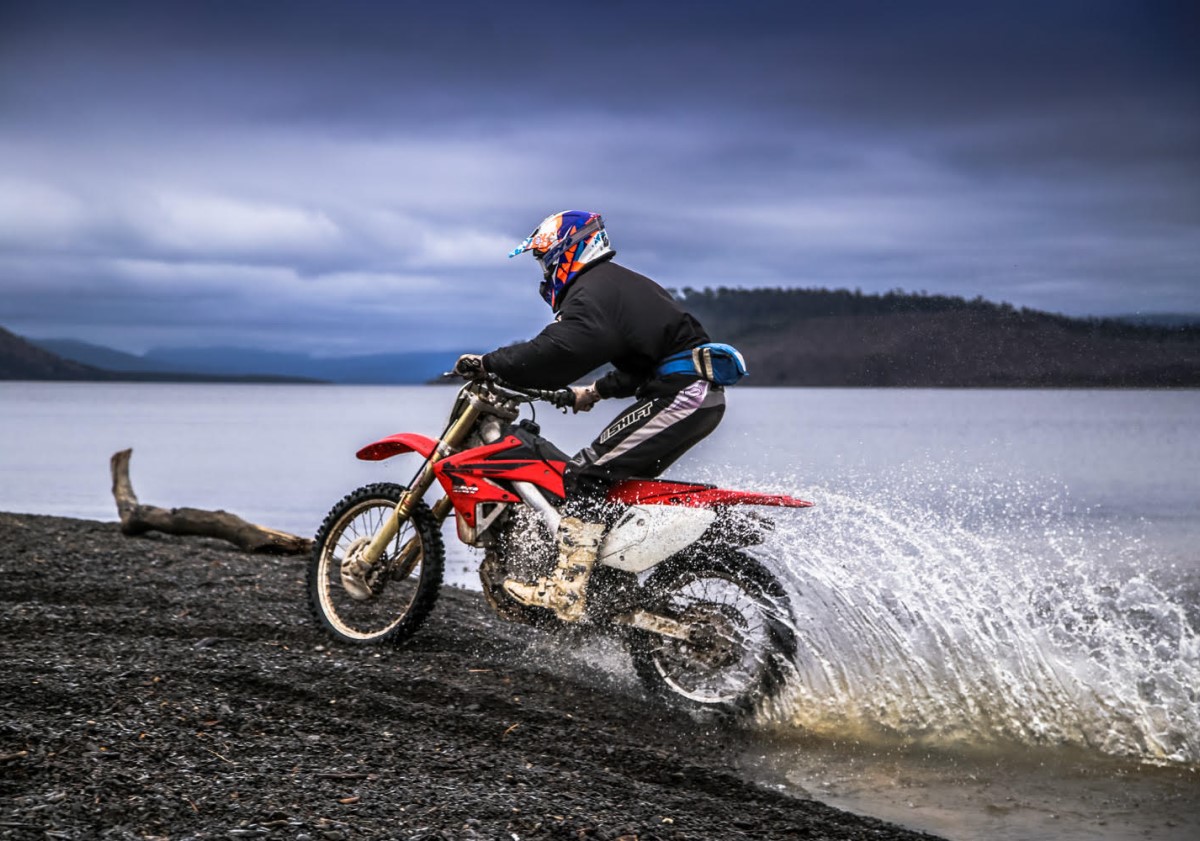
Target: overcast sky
{"points": [[348, 177]]}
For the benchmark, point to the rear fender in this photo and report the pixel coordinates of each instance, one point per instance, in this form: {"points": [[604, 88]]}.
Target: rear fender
{"points": [[662, 492], [394, 445]]}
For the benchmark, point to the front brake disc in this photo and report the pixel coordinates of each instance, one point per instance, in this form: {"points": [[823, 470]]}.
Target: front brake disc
{"points": [[377, 575]]}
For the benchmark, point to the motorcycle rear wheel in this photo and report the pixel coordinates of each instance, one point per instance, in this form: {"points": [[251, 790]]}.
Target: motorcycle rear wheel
{"points": [[744, 640], [403, 597]]}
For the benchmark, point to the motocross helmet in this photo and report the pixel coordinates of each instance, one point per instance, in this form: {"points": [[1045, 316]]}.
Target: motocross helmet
{"points": [[564, 244]]}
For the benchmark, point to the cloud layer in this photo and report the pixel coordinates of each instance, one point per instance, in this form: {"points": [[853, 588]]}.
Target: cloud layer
{"points": [[348, 177]]}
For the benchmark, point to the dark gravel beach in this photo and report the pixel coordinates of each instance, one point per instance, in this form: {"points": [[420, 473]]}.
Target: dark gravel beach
{"points": [[160, 687]]}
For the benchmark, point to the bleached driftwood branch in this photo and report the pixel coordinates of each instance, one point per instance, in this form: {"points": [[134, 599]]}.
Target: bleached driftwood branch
{"points": [[138, 519]]}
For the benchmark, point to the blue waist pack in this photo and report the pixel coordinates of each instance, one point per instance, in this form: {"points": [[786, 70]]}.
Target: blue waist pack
{"points": [[719, 364]]}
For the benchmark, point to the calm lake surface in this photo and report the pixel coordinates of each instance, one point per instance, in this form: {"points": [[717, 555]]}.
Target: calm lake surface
{"points": [[999, 591]]}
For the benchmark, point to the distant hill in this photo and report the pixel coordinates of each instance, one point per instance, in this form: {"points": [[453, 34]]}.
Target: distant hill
{"points": [[819, 337], [98, 356], [192, 363], [790, 337], [22, 360]]}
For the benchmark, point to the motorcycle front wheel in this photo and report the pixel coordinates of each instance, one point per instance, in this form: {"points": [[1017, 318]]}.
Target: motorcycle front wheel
{"points": [[404, 582], [742, 640]]}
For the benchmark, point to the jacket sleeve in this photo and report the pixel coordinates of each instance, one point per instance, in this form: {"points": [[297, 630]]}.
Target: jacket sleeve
{"points": [[618, 384], [563, 352]]}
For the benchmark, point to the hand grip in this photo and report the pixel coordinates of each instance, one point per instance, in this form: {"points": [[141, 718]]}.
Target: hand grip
{"points": [[563, 398]]}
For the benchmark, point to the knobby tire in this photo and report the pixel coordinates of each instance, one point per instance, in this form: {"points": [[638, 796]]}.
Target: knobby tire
{"points": [[332, 607], [751, 578]]}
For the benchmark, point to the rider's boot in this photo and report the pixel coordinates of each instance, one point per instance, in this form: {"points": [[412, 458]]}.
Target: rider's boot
{"points": [[563, 591]]}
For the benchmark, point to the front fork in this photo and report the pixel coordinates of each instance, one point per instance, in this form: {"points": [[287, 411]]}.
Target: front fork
{"points": [[450, 442]]}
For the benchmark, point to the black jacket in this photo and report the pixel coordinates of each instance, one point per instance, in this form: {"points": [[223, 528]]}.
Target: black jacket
{"points": [[609, 314]]}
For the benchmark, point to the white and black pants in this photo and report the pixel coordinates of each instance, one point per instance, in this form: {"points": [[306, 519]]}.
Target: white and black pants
{"points": [[671, 416]]}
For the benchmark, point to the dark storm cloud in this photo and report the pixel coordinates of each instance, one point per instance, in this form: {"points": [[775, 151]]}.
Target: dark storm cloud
{"points": [[323, 175]]}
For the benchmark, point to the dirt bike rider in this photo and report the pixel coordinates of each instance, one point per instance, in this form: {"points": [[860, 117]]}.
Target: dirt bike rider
{"points": [[604, 314]]}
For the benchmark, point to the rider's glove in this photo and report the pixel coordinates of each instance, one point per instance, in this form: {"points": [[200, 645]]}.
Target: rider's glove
{"points": [[469, 366], [585, 396]]}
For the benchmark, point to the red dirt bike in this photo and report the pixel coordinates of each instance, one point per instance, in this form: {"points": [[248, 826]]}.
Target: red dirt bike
{"points": [[707, 626]]}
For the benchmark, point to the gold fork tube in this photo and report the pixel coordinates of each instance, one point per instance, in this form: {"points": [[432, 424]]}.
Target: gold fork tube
{"points": [[455, 435], [442, 509]]}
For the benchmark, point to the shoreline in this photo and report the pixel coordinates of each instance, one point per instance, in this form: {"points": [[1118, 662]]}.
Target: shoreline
{"points": [[161, 687]]}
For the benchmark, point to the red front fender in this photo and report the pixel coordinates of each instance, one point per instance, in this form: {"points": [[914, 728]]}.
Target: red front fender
{"points": [[394, 445]]}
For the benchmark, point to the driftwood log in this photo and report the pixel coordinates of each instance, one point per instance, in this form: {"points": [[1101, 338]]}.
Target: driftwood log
{"points": [[138, 519]]}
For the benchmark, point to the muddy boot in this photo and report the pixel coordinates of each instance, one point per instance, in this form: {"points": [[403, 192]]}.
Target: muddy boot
{"points": [[563, 590]]}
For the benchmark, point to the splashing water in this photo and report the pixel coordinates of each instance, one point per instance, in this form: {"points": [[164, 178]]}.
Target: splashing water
{"points": [[951, 628]]}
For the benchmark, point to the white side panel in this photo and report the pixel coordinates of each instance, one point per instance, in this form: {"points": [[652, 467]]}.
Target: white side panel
{"points": [[647, 534]]}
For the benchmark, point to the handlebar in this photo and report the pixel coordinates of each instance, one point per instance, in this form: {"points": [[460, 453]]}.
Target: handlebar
{"points": [[560, 398]]}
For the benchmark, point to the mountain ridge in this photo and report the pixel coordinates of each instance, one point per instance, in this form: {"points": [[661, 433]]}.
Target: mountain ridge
{"points": [[790, 337], [383, 369], [22, 359]]}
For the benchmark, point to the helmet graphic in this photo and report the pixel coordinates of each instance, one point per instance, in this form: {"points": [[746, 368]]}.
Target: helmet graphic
{"points": [[564, 244]]}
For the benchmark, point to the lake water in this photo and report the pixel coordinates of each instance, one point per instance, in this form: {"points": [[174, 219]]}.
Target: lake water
{"points": [[998, 591]]}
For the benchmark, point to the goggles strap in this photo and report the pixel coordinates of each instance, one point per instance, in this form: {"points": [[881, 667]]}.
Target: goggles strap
{"points": [[583, 233]]}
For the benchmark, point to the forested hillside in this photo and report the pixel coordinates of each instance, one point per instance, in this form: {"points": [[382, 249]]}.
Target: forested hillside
{"points": [[820, 337], [21, 360]]}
